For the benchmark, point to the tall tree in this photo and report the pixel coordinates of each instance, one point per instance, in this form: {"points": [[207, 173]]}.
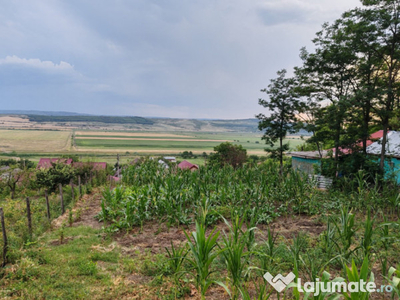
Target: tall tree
{"points": [[283, 105], [228, 154], [326, 76], [375, 28]]}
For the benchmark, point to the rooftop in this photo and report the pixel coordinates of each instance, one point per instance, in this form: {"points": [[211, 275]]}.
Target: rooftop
{"points": [[45, 163], [309, 154], [187, 165], [392, 146]]}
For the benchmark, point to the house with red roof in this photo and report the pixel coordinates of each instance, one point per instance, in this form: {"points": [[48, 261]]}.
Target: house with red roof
{"points": [[372, 138], [185, 165], [46, 163], [305, 160]]}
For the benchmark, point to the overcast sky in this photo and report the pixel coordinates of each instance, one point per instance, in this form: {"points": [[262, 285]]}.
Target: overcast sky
{"points": [[167, 58]]}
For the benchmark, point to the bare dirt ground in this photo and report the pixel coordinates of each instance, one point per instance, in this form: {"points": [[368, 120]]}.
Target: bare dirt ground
{"points": [[156, 237]]}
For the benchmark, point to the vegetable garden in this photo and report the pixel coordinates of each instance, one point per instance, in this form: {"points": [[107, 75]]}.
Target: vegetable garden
{"points": [[360, 237]]}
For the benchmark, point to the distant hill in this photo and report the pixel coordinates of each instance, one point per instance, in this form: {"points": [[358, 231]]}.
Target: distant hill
{"points": [[41, 113], [99, 119], [141, 123]]}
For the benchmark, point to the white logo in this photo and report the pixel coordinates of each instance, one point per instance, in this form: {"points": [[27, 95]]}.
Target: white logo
{"points": [[279, 282], [326, 287]]}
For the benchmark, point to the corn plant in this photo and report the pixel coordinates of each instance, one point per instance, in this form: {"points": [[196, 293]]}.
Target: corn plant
{"points": [[251, 228], [61, 233], [70, 218], [385, 238], [177, 256], [322, 295], [394, 201], [261, 293], [394, 280], [269, 251], [367, 239], [354, 276], [328, 239], [110, 203], [345, 228], [235, 254], [298, 245], [203, 251]]}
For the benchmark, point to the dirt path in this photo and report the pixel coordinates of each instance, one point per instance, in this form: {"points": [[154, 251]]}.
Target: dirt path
{"points": [[84, 212]]}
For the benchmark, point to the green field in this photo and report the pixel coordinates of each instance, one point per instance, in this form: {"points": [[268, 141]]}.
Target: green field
{"points": [[96, 143], [193, 141]]}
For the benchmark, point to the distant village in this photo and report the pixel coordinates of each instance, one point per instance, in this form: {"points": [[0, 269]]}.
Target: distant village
{"points": [[46, 163]]}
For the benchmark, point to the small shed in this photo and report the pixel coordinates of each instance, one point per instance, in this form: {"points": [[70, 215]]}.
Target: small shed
{"points": [[305, 160], [185, 165], [170, 158], [392, 153]]}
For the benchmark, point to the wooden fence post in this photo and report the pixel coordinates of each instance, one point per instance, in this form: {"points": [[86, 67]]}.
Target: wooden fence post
{"points": [[80, 187], [72, 190], [47, 204], [61, 198], [5, 242], [28, 212]]}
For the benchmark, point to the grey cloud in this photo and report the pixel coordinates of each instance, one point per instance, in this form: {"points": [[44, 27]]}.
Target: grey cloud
{"points": [[276, 16], [195, 58]]}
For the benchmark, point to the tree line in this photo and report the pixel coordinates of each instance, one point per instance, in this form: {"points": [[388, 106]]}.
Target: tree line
{"points": [[345, 89], [100, 119]]}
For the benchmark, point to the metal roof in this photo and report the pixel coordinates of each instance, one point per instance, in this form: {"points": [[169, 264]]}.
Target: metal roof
{"points": [[309, 154], [392, 145], [315, 154]]}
